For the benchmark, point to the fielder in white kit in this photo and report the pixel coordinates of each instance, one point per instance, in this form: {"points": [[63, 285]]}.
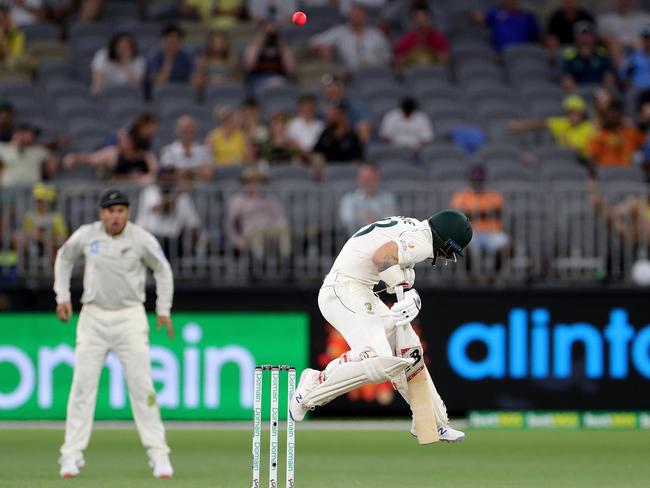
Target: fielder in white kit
{"points": [[386, 251], [113, 318]]}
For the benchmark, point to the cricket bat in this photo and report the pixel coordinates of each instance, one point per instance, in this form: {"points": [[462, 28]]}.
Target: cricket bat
{"points": [[420, 398]]}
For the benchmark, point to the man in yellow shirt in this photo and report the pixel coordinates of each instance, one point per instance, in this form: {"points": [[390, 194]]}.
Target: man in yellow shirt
{"points": [[573, 129], [12, 40]]}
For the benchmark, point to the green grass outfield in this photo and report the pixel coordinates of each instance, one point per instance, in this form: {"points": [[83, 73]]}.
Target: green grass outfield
{"points": [[343, 459]]}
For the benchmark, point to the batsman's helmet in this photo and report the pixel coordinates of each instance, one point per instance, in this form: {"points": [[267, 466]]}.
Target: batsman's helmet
{"points": [[451, 232]]}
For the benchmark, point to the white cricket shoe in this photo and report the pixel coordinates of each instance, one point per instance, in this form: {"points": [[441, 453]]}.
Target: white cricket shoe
{"points": [[308, 380], [446, 434], [70, 467], [162, 468]]}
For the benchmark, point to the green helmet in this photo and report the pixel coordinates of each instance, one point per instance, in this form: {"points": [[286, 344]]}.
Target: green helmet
{"points": [[451, 232]]}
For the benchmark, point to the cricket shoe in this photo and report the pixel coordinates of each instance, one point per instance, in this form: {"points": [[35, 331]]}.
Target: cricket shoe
{"points": [[446, 434], [70, 467], [162, 468], [308, 381]]}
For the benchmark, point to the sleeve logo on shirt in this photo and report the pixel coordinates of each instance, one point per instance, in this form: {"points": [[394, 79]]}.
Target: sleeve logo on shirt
{"points": [[411, 245], [368, 306], [94, 247]]}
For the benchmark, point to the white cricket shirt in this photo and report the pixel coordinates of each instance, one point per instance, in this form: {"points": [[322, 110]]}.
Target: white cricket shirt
{"points": [[115, 269], [414, 244]]}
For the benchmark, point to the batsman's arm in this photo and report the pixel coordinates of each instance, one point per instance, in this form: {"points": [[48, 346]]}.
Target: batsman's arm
{"points": [[155, 259], [387, 262], [66, 256]]}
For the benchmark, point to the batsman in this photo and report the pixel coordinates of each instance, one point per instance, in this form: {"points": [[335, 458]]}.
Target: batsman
{"points": [[383, 345]]}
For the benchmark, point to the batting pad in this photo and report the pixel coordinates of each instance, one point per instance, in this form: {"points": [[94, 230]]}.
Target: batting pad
{"points": [[350, 375]]}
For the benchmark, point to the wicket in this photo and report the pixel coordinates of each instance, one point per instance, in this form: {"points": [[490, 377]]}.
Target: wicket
{"points": [[274, 425]]}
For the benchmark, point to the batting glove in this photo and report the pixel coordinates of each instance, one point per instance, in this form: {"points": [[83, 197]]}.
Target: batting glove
{"points": [[407, 309]]}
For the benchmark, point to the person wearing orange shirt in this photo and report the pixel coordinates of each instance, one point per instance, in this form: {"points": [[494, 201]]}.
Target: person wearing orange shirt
{"points": [[616, 143], [484, 207]]}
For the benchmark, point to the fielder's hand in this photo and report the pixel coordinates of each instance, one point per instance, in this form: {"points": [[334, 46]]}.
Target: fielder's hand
{"points": [[64, 311], [167, 322], [407, 308]]}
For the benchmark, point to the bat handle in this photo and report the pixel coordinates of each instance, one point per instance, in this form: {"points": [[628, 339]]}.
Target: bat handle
{"points": [[399, 291]]}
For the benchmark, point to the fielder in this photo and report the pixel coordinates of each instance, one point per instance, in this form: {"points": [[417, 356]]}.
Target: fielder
{"points": [[113, 318], [386, 250]]}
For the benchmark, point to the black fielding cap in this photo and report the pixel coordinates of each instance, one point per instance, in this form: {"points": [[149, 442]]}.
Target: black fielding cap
{"points": [[113, 197]]}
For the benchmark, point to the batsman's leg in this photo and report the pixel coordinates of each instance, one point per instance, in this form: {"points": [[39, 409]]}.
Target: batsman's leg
{"points": [[131, 345], [352, 309], [90, 352]]}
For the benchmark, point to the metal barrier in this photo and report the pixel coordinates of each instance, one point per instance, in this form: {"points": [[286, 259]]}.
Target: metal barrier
{"points": [[558, 234]]}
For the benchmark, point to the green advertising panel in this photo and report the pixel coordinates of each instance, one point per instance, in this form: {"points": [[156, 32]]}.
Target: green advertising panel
{"points": [[205, 373]]}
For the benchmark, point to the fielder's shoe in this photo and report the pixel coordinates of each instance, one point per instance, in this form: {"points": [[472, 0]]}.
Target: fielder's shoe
{"points": [[70, 467], [162, 468], [308, 380], [446, 434]]}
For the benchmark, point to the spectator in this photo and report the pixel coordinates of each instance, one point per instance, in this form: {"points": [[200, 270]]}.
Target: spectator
{"points": [[407, 126], [44, 229], [616, 143], [167, 211], [257, 221], [484, 207], [27, 12], [423, 44], [171, 62], [185, 158], [335, 92], [275, 10], [601, 98], [562, 22], [217, 14], [278, 147], [338, 142], [118, 64], [131, 159], [305, 129], [256, 131], [356, 44], [619, 28], [217, 64], [268, 60], [586, 63], [367, 203], [635, 71], [509, 24], [12, 43], [573, 129], [228, 142], [23, 161], [7, 119]]}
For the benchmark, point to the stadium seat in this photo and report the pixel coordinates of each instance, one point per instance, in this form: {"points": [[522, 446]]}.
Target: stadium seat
{"points": [[341, 172], [401, 171], [286, 172], [555, 153], [42, 31], [176, 91], [499, 152], [378, 152], [374, 75], [566, 173], [425, 73], [620, 173], [513, 173]]}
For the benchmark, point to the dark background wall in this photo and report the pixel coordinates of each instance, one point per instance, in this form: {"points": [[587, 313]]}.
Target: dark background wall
{"points": [[607, 368]]}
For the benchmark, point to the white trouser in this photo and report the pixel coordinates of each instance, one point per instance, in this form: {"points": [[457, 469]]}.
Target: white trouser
{"points": [[358, 314], [365, 321], [126, 333]]}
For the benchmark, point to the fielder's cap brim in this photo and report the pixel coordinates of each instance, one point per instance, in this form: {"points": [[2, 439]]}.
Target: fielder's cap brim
{"points": [[113, 197]]}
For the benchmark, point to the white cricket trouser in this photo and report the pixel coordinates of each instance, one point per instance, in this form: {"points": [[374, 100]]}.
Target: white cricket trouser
{"points": [[126, 333], [365, 321]]}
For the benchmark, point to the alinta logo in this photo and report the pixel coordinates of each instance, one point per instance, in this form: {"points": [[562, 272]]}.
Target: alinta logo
{"points": [[530, 346]]}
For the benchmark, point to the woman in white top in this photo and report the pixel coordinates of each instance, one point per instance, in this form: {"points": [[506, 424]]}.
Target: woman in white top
{"points": [[118, 64]]}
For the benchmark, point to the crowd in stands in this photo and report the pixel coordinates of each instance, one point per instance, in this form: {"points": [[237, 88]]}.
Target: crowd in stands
{"points": [[372, 83]]}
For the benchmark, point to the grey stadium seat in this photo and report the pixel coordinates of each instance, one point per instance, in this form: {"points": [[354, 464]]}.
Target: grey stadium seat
{"points": [[499, 152], [173, 91], [341, 172], [616, 173], [555, 153], [443, 152], [286, 172], [513, 173], [376, 152], [425, 73], [564, 173], [42, 31], [398, 170]]}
